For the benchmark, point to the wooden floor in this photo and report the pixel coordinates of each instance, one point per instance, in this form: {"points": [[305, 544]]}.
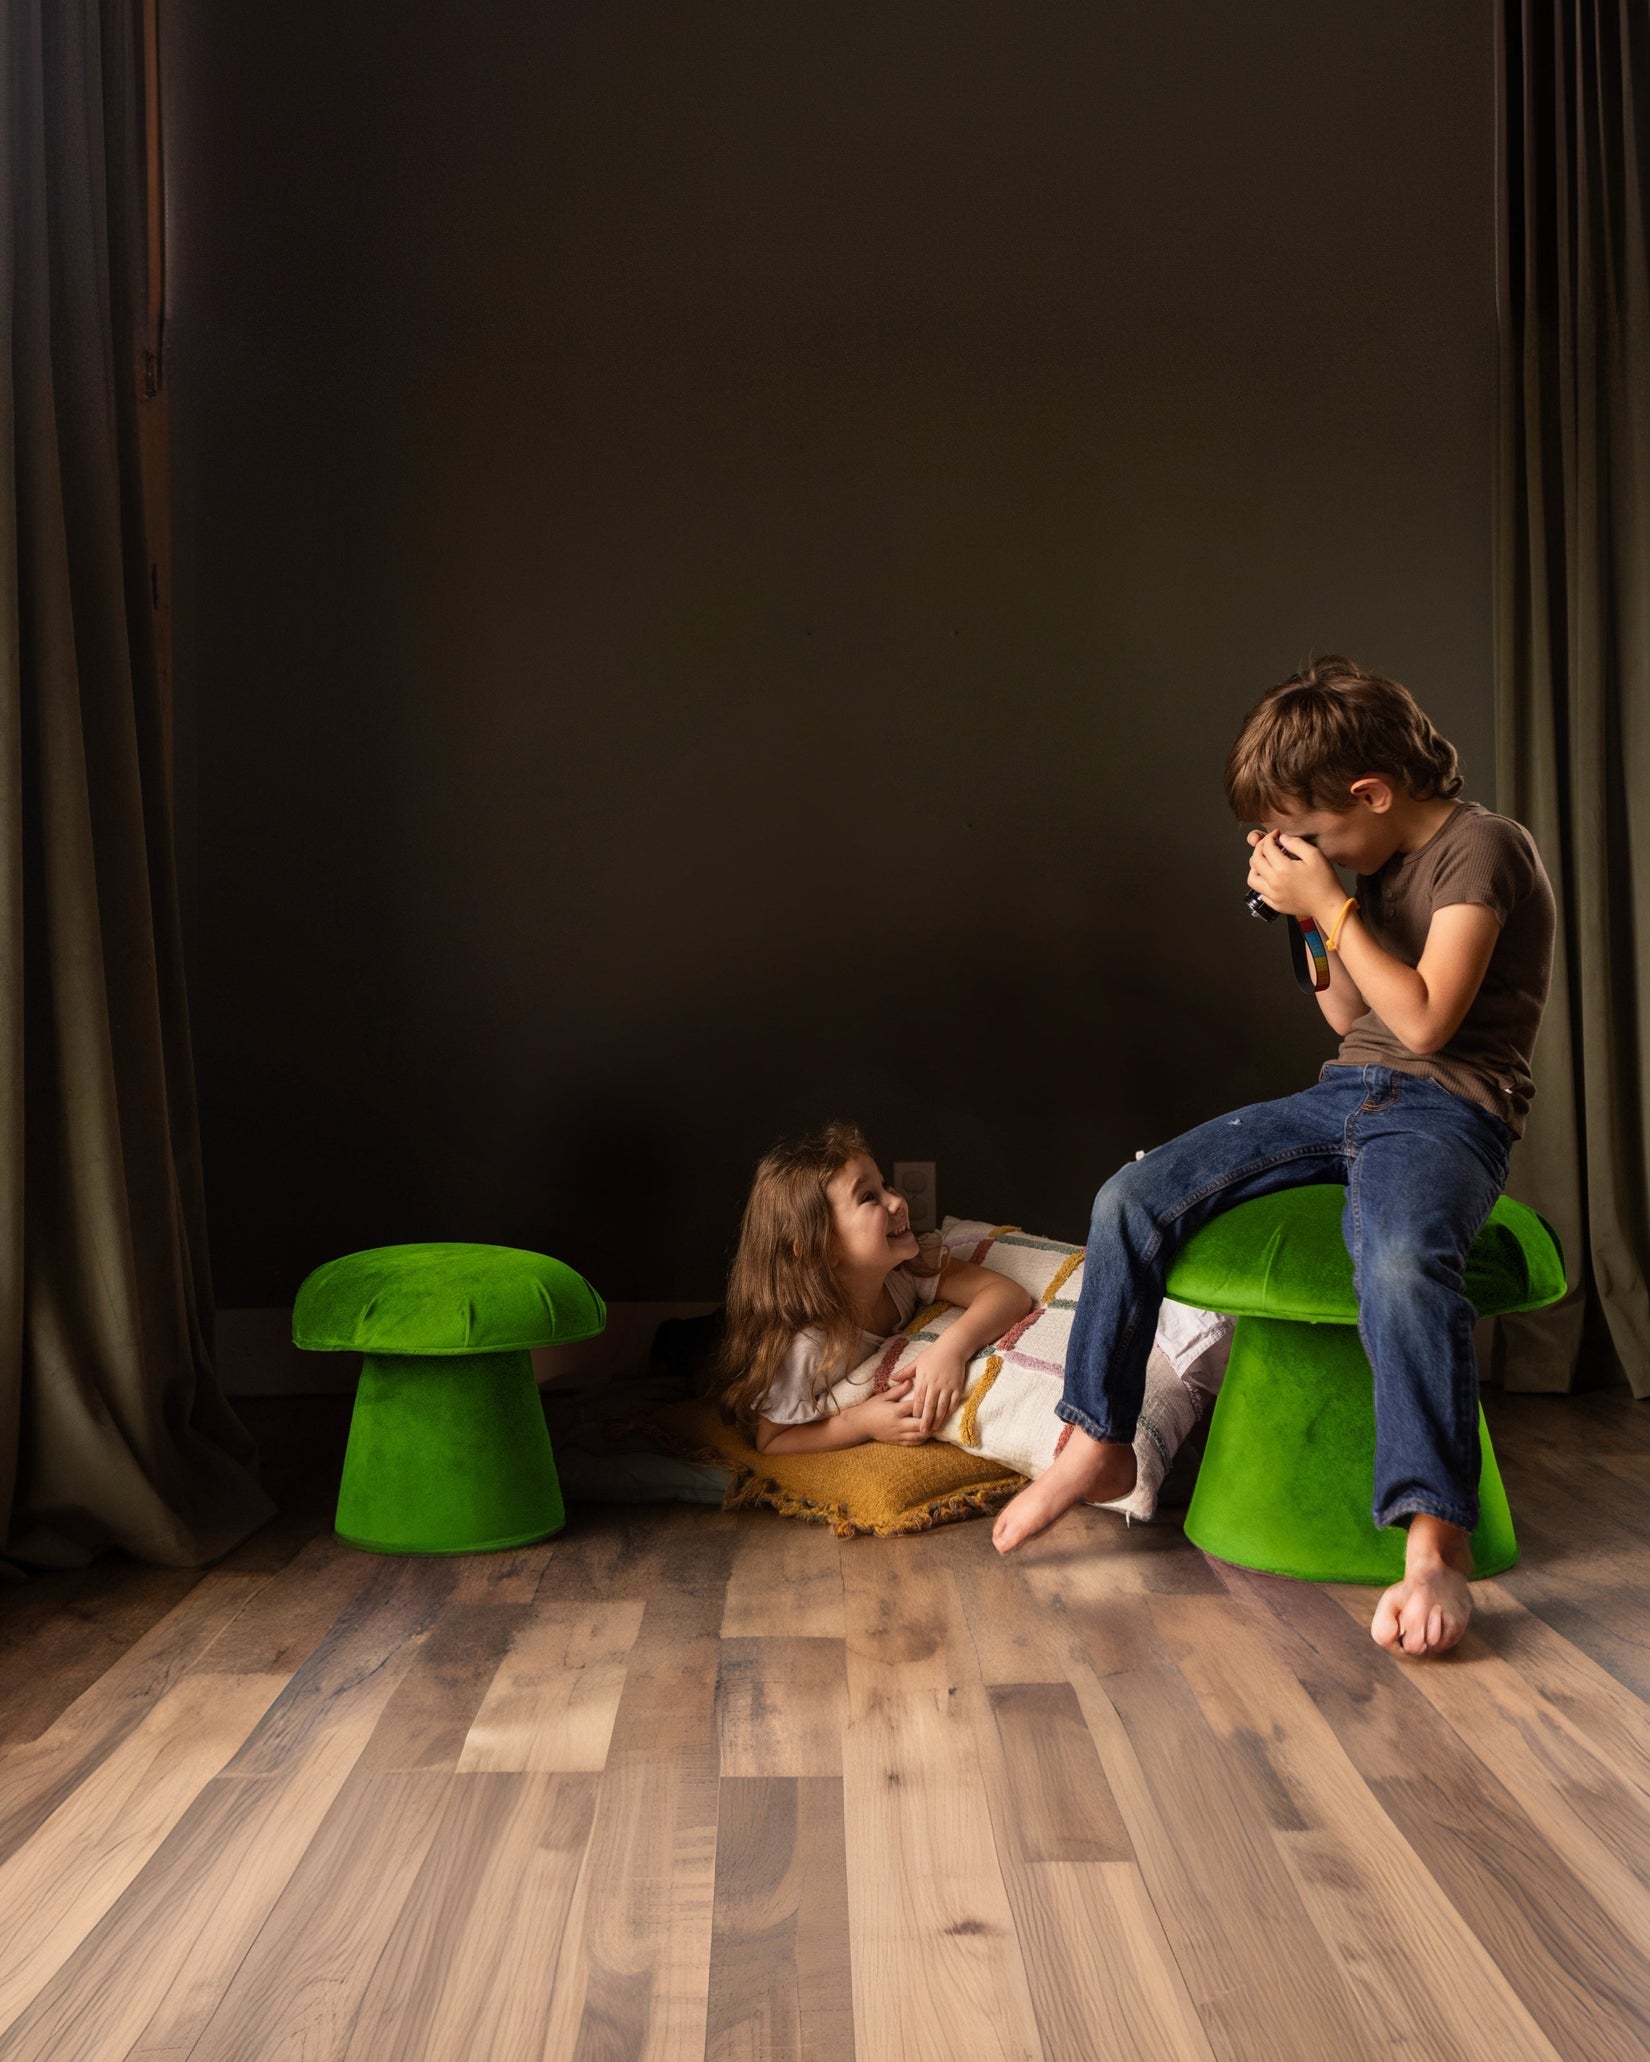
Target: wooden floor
{"points": [[681, 1784]]}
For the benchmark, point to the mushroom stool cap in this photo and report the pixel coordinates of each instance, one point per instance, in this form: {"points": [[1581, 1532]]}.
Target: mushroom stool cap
{"points": [[1287, 1480], [443, 1299], [1284, 1255]]}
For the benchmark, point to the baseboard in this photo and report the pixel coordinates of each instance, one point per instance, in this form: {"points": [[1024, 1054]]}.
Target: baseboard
{"points": [[256, 1356]]}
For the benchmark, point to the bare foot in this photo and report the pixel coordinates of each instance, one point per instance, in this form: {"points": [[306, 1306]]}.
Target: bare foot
{"points": [[1428, 1611], [1085, 1470]]}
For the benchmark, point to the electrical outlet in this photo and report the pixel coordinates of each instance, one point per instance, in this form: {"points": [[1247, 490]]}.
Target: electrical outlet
{"points": [[915, 1181]]}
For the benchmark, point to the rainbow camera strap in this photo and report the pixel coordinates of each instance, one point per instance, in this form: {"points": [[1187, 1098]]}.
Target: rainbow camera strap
{"points": [[1308, 955]]}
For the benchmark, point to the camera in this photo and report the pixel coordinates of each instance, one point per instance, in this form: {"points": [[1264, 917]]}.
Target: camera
{"points": [[1264, 910]]}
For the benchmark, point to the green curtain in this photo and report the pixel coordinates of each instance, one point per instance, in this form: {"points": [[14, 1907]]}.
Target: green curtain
{"points": [[1573, 647], [113, 1430]]}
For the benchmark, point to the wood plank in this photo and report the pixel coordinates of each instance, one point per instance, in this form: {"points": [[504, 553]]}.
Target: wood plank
{"points": [[1583, 1575], [779, 1960], [248, 1877], [937, 1969], [427, 1722], [1611, 1486], [1018, 1637], [780, 1707], [1114, 1558], [1620, 1419], [1091, 1605], [786, 1582], [1608, 1420], [1419, 1971], [633, 1977], [552, 1702], [512, 1576], [1597, 1821], [298, 1606], [1098, 1798], [1059, 1804], [1576, 1971], [151, 1974], [397, 1603], [468, 1968], [39, 1774], [1102, 1974], [60, 1632], [276, 1544], [906, 1628], [1600, 1708], [62, 1880], [301, 1985], [1262, 1980], [1103, 1977], [633, 1551]]}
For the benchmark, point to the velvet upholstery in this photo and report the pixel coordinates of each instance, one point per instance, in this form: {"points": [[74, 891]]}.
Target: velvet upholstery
{"points": [[439, 1299], [448, 1449], [448, 1456], [1288, 1474], [1284, 1255], [1287, 1481]]}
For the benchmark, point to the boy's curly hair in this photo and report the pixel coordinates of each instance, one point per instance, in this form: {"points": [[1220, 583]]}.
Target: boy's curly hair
{"points": [[1309, 738]]}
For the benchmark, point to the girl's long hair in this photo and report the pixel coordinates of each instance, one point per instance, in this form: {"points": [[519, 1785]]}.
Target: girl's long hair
{"points": [[782, 1282]]}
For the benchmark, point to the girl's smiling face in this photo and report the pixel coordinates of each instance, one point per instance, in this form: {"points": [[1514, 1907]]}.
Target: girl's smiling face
{"points": [[870, 1222]]}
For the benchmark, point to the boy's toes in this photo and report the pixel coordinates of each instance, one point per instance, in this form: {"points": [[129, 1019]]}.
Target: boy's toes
{"points": [[1005, 1534], [1414, 1621], [1422, 1614], [1383, 1627]]}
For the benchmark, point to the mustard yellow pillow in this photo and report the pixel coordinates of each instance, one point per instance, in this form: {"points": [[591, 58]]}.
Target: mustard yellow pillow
{"points": [[883, 1490]]}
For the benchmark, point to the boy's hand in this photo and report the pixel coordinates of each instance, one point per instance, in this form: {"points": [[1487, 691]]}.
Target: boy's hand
{"points": [[891, 1418], [938, 1379], [1292, 876]]}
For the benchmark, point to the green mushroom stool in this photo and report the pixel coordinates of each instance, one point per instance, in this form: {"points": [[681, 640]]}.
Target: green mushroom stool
{"points": [[1288, 1473], [448, 1449]]}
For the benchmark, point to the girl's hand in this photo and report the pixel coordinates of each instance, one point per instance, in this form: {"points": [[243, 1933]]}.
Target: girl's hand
{"points": [[891, 1418], [938, 1379], [1290, 875]]}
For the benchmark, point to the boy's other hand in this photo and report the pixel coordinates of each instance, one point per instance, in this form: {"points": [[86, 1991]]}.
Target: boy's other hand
{"points": [[1290, 875]]}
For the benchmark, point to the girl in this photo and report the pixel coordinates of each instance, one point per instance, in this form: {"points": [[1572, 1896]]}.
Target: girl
{"points": [[827, 1270], [828, 1267]]}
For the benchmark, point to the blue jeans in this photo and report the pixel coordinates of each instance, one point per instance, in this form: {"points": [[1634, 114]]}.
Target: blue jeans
{"points": [[1422, 1170]]}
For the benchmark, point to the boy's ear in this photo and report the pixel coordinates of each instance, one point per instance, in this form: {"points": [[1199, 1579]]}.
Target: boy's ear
{"points": [[1372, 792]]}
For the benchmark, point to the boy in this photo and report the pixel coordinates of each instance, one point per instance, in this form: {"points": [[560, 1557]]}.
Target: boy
{"points": [[1439, 971]]}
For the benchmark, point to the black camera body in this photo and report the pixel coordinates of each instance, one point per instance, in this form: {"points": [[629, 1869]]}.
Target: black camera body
{"points": [[1264, 910]]}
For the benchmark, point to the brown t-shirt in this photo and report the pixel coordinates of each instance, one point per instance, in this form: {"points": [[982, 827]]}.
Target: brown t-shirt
{"points": [[1473, 856]]}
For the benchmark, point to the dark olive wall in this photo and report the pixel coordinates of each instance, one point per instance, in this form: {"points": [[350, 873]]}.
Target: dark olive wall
{"points": [[721, 550]]}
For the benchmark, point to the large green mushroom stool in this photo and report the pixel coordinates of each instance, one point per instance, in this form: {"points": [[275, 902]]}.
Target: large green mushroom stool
{"points": [[448, 1449], [1287, 1480]]}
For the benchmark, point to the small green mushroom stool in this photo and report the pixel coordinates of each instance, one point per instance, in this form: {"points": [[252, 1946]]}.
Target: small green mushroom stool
{"points": [[448, 1449], [1288, 1473]]}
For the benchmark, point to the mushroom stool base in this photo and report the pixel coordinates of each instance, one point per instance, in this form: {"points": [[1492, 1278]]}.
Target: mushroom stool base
{"points": [[1287, 1479], [447, 1455]]}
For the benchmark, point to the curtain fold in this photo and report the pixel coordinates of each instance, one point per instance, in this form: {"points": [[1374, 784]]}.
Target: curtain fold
{"points": [[1573, 648], [113, 1430]]}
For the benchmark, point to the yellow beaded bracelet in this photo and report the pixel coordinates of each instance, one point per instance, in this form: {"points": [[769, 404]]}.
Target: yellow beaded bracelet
{"points": [[1351, 902]]}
